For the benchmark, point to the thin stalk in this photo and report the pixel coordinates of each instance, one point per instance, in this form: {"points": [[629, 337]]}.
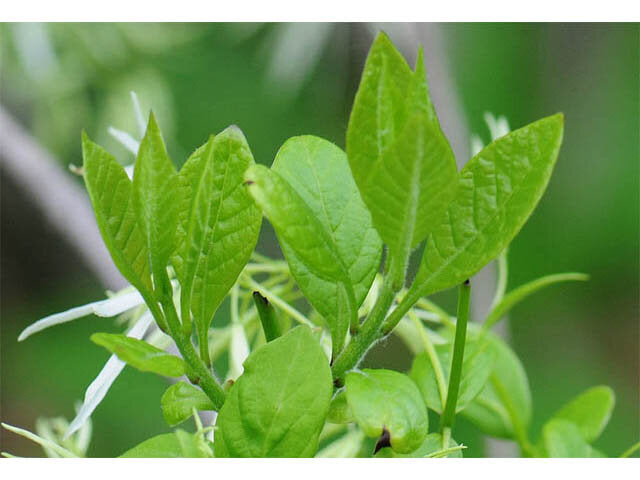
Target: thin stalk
{"points": [[433, 358], [631, 450], [370, 331], [206, 380], [449, 413], [519, 429], [503, 275]]}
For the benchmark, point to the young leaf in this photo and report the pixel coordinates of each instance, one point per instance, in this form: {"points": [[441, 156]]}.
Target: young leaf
{"points": [[476, 368], [179, 401], [319, 172], [339, 411], [140, 354], [498, 190], [154, 199], [503, 408], [309, 248], [400, 159], [386, 400], [218, 226], [563, 439], [110, 191], [277, 408], [431, 447], [178, 444], [517, 295], [589, 411]]}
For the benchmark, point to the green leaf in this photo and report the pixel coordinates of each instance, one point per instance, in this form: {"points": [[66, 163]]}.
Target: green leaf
{"points": [[504, 405], [339, 411], [154, 199], [498, 190], [310, 250], [387, 400], [178, 444], [218, 225], [563, 439], [476, 368], [431, 447], [517, 295], [278, 406], [110, 191], [589, 411], [400, 159], [140, 354], [319, 172], [179, 400]]}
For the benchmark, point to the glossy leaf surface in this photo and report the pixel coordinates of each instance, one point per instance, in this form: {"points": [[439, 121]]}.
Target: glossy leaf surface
{"points": [[141, 355], [384, 399], [498, 190], [179, 400], [277, 408], [218, 226]]}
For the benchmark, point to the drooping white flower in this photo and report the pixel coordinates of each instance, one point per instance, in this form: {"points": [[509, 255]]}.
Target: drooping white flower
{"points": [[119, 303], [100, 386]]}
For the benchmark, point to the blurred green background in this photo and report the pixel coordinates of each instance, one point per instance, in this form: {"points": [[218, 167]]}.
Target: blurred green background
{"points": [[279, 80]]}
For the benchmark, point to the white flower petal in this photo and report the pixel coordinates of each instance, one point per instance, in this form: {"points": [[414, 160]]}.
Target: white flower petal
{"points": [[100, 386], [125, 139], [238, 351], [103, 308], [57, 318], [142, 124], [118, 304]]}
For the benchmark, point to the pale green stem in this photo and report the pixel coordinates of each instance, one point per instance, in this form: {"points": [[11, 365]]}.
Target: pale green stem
{"points": [[449, 413], [503, 275], [433, 358], [631, 450]]}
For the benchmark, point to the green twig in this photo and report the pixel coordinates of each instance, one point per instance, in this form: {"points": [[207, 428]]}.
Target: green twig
{"points": [[449, 413], [370, 331]]}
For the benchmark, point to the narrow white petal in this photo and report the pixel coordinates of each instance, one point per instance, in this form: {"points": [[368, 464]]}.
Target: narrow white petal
{"points": [[476, 145], [100, 386], [125, 139], [118, 304], [238, 350], [103, 308], [142, 125], [129, 171], [57, 318]]}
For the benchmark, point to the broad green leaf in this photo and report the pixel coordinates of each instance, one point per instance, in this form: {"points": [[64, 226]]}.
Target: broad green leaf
{"points": [[563, 439], [110, 191], [278, 406], [506, 398], [154, 200], [319, 172], [433, 446], [517, 295], [310, 250], [218, 225], [476, 368], [348, 445], [589, 411], [400, 159], [178, 444], [180, 399], [140, 354], [498, 190], [339, 411], [387, 400]]}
